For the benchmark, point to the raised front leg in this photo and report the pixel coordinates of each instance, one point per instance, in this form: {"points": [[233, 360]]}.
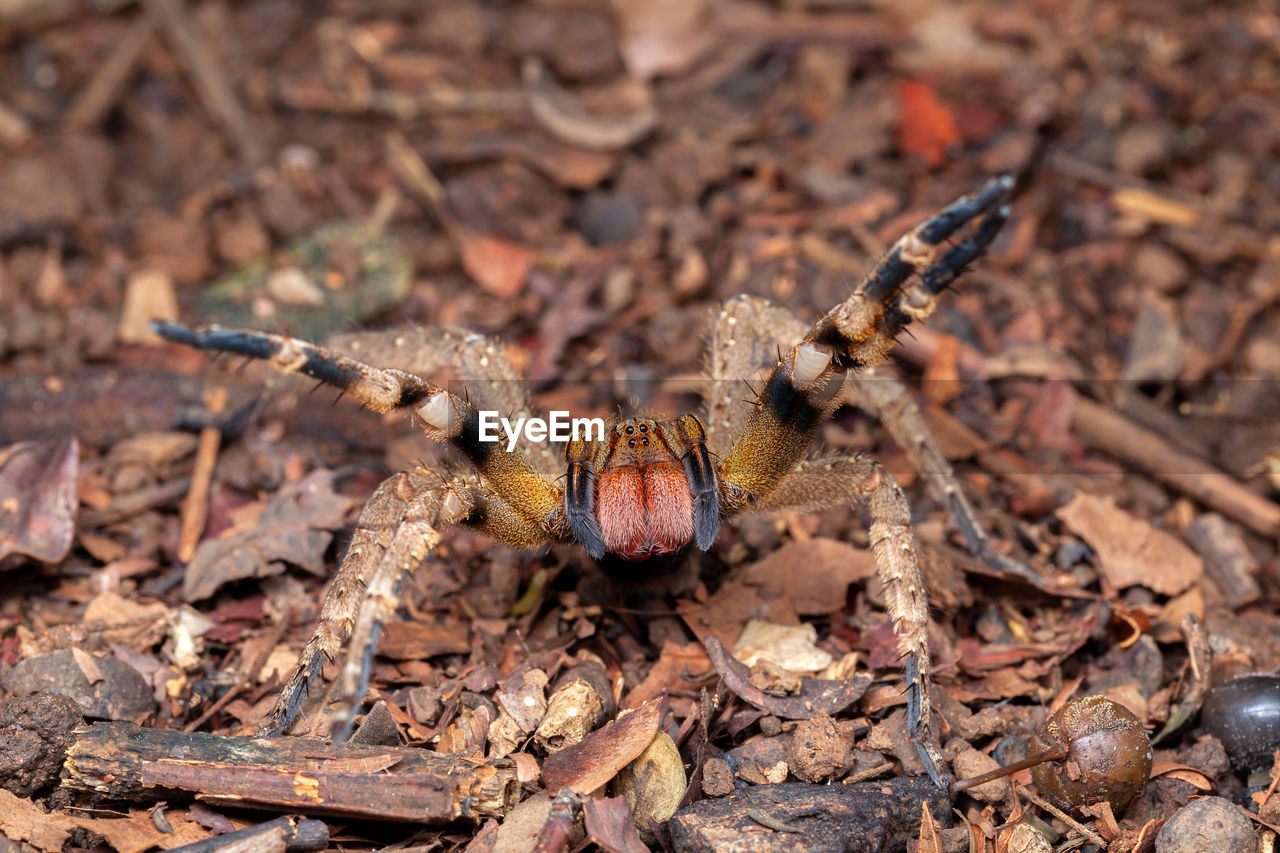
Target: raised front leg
{"points": [[444, 416]]}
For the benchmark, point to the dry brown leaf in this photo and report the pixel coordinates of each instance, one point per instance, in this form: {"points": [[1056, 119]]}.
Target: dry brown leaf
{"points": [[294, 528], [1131, 551], [814, 573], [609, 825], [499, 266], [38, 498], [666, 673], [662, 36]]}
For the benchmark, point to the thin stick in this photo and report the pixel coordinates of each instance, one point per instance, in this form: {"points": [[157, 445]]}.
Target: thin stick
{"points": [[1008, 769], [1121, 437], [195, 509], [1065, 818], [108, 82], [249, 672], [207, 77]]}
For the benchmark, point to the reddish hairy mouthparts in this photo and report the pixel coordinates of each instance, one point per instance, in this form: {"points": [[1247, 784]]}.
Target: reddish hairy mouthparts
{"points": [[645, 510]]}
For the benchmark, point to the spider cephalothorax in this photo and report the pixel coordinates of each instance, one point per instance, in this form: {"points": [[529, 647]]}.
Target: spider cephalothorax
{"points": [[648, 487]]}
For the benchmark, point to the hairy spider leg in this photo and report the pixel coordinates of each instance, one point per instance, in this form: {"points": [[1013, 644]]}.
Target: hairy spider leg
{"points": [[802, 389], [398, 526]]}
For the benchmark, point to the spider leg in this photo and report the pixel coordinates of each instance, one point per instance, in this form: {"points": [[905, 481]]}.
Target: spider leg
{"points": [[823, 482], [396, 531], [887, 399], [444, 416], [804, 388], [478, 361], [745, 335]]}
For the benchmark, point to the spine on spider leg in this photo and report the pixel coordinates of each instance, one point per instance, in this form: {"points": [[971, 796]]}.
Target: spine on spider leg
{"points": [[905, 284], [379, 389]]}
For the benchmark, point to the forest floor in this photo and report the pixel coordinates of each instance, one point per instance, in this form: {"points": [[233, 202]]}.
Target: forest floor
{"points": [[587, 182]]}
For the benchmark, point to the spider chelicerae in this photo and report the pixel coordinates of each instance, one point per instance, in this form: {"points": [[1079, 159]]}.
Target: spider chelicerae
{"points": [[649, 487]]}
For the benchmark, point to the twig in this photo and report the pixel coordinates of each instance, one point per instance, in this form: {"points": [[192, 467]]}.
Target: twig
{"points": [[554, 837], [126, 761], [254, 666], [1120, 437], [195, 510], [1063, 816], [294, 834], [207, 77], [108, 82], [123, 507]]}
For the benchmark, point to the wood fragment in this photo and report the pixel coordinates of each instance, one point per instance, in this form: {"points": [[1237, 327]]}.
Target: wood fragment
{"points": [[555, 833], [863, 818], [207, 77], [195, 510], [1118, 436], [296, 834], [123, 507], [125, 761], [1227, 559], [108, 82]]}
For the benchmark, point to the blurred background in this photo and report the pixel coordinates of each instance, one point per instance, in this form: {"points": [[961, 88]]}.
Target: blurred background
{"points": [[586, 180]]}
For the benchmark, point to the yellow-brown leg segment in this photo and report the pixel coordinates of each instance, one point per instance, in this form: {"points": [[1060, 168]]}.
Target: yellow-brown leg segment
{"points": [[824, 482]]}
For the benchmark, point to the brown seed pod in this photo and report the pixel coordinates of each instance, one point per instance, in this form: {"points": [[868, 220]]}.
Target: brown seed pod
{"points": [[1105, 754]]}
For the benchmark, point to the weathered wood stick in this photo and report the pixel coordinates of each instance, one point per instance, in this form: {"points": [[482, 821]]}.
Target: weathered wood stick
{"points": [[125, 761], [295, 835], [1121, 437]]}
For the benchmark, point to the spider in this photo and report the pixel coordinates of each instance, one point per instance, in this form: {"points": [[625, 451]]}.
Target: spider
{"points": [[650, 487]]}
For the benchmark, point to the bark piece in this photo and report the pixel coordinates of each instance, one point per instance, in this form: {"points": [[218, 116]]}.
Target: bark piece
{"points": [[1227, 558], [588, 765], [866, 817], [580, 702], [123, 761]]}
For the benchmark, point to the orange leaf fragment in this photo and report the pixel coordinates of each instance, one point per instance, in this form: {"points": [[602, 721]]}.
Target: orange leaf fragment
{"points": [[498, 266], [926, 127]]}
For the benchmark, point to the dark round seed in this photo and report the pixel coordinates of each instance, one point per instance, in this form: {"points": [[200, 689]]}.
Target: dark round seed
{"points": [[1244, 714]]}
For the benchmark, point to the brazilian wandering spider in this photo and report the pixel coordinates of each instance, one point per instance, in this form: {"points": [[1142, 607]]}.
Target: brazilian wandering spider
{"points": [[651, 487]]}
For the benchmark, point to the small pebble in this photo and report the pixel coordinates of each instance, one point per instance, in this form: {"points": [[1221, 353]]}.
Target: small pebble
{"points": [[1208, 823]]}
